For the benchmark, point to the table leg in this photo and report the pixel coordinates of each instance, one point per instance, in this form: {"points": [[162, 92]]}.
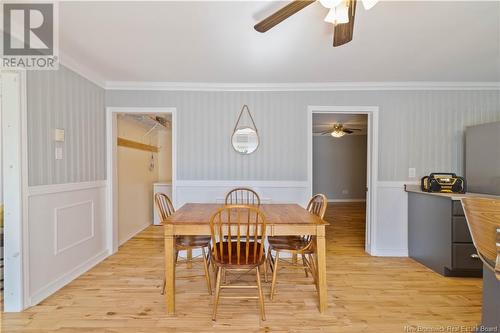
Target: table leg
{"points": [[170, 268], [321, 257]]}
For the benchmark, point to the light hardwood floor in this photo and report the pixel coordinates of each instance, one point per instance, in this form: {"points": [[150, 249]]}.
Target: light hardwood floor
{"points": [[366, 294]]}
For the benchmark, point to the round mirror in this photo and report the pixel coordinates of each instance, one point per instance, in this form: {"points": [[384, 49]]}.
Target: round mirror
{"points": [[245, 140]]}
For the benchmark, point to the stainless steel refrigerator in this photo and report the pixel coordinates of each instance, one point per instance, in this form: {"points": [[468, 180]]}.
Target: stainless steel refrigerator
{"points": [[482, 170], [482, 158]]}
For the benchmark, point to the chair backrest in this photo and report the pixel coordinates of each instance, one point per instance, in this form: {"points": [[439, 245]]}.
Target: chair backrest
{"points": [[163, 206], [242, 196], [483, 218], [317, 205], [243, 226]]}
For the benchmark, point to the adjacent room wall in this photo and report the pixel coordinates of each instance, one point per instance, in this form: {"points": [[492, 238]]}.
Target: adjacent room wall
{"points": [[339, 167], [165, 155], [135, 179]]}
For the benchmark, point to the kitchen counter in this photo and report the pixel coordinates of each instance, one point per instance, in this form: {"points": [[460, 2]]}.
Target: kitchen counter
{"points": [[453, 196]]}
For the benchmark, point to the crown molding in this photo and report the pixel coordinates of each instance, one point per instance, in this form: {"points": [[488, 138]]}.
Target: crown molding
{"points": [[319, 86], [68, 62]]}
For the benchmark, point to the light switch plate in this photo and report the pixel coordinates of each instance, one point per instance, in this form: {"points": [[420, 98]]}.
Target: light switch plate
{"points": [[412, 172], [59, 153], [59, 135]]}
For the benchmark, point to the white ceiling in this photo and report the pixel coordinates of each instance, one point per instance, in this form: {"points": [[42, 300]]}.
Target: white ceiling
{"points": [[323, 122], [215, 42]]}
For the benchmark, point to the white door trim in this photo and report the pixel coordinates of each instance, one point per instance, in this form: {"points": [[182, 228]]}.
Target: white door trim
{"points": [[112, 175], [15, 189], [372, 161]]}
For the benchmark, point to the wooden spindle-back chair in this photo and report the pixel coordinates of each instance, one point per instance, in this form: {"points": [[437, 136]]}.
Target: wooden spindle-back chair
{"points": [[242, 196], [297, 245], [165, 209], [483, 218], [238, 233]]}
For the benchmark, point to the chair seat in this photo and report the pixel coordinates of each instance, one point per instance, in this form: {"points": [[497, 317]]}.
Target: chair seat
{"points": [[289, 243], [227, 261], [282, 239], [192, 241]]}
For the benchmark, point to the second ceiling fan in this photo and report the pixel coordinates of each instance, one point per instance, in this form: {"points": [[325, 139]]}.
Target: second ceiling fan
{"points": [[341, 15]]}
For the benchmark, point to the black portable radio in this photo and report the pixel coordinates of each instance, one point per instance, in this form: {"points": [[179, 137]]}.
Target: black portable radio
{"points": [[442, 182]]}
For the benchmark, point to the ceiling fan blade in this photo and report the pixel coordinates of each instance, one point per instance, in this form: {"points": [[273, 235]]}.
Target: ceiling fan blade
{"points": [[282, 14], [348, 131], [353, 129], [327, 131], [343, 32]]}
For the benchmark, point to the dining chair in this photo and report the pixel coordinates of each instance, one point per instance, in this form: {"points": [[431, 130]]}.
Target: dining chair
{"points": [[296, 245], [187, 243], [243, 252], [242, 196], [483, 218]]}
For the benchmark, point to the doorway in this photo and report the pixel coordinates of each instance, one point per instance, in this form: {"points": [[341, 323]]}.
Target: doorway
{"points": [[345, 151], [141, 145]]}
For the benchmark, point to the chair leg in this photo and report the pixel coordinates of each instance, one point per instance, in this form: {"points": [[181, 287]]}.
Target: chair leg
{"points": [[217, 292], [312, 263], [164, 285], [302, 255], [275, 273], [266, 262], [207, 273], [261, 296]]}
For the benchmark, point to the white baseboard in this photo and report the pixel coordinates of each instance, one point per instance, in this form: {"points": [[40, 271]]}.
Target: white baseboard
{"points": [[54, 286], [347, 200], [390, 253], [134, 233]]}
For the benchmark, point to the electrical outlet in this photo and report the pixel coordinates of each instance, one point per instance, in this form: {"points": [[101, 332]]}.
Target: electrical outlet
{"points": [[59, 153], [412, 173], [345, 191]]}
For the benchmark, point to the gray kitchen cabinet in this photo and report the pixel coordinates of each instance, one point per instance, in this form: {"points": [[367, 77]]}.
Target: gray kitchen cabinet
{"points": [[438, 235]]}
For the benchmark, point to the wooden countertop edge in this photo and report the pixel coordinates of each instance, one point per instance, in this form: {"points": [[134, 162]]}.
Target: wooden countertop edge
{"points": [[453, 196]]}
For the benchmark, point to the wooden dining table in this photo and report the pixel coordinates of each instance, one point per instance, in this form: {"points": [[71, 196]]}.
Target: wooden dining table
{"points": [[281, 220]]}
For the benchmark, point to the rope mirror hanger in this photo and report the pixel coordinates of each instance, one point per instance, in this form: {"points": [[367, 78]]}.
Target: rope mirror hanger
{"points": [[245, 139]]}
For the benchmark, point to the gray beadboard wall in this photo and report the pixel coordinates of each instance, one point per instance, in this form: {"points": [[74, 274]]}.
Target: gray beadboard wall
{"points": [[66, 100], [420, 129]]}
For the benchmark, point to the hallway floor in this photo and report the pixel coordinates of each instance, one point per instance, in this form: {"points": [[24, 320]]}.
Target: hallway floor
{"points": [[366, 294]]}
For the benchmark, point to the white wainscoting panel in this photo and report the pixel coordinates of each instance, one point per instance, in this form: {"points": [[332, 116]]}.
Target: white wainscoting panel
{"points": [[66, 234], [73, 225], [213, 191], [391, 229]]}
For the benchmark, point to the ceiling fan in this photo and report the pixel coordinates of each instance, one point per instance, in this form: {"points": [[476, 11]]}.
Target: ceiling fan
{"points": [[338, 131], [341, 15]]}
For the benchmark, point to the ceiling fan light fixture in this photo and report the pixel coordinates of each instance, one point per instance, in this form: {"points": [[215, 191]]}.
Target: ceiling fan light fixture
{"points": [[330, 3], [337, 134], [368, 4], [338, 15]]}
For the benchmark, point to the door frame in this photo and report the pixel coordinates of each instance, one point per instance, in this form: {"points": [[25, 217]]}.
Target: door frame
{"points": [[14, 142], [112, 165], [371, 159]]}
